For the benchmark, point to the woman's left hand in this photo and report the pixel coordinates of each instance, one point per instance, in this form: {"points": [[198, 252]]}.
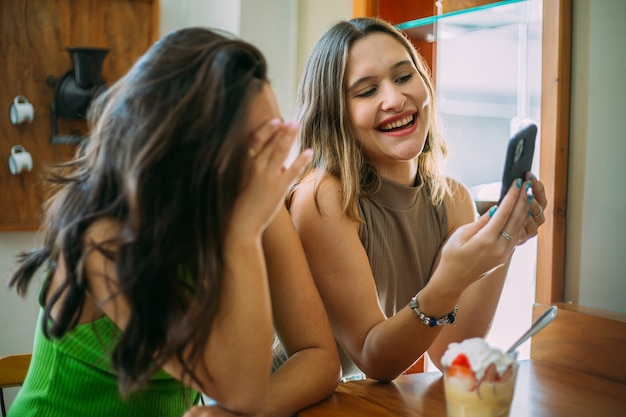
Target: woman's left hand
{"points": [[537, 214]]}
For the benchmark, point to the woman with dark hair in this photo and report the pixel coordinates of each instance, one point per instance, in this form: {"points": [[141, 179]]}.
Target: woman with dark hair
{"points": [[170, 258], [394, 246]]}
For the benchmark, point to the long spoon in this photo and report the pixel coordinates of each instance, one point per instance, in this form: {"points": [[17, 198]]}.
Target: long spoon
{"points": [[539, 324]]}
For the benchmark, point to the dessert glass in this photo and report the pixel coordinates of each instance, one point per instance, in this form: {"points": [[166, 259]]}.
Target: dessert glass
{"points": [[491, 396]]}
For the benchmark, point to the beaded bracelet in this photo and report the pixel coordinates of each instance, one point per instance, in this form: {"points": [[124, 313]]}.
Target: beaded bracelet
{"points": [[449, 318]]}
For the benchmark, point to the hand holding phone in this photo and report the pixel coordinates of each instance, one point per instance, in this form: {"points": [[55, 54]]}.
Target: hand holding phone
{"points": [[519, 157]]}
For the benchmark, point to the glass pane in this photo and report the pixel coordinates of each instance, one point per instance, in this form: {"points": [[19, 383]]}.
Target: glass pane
{"points": [[488, 76], [488, 80]]}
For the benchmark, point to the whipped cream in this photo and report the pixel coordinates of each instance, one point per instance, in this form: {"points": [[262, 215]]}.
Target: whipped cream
{"points": [[480, 356]]}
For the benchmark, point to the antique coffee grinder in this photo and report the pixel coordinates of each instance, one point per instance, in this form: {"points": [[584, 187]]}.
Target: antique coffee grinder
{"points": [[76, 89]]}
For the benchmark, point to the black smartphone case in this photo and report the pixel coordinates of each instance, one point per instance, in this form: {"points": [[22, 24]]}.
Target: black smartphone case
{"points": [[519, 156]]}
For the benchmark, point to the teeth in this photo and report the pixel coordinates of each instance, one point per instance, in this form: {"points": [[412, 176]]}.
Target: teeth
{"points": [[397, 124]]}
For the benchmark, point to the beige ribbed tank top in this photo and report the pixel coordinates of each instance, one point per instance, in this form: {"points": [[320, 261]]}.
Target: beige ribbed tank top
{"points": [[402, 235]]}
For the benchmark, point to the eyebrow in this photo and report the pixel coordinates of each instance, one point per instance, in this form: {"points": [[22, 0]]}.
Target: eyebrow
{"points": [[367, 78]]}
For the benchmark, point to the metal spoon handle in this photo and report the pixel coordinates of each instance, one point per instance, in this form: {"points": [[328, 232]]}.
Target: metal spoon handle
{"points": [[539, 324]]}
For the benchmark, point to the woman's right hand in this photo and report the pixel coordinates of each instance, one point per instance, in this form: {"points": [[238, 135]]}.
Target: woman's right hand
{"points": [[473, 264], [268, 179], [477, 248], [244, 320]]}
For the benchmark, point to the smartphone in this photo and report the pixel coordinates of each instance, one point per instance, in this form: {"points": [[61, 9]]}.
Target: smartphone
{"points": [[519, 156]]}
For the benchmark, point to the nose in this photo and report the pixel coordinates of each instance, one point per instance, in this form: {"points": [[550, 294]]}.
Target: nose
{"points": [[392, 98]]}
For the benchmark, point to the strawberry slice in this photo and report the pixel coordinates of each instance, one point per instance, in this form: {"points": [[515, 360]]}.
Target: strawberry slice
{"points": [[460, 367], [461, 360], [491, 375]]}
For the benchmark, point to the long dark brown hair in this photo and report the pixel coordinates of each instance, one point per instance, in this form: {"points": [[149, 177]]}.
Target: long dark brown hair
{"points": [[165, 158]]}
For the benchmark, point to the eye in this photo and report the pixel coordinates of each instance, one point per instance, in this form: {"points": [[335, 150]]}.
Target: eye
{"points": [[404, 79], [366, 93]]}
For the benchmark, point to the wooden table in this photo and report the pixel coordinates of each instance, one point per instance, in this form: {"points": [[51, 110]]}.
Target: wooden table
{"points": [[542, 390]]}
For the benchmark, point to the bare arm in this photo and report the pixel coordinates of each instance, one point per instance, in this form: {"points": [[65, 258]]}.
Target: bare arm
{"points": [[479, 300], [384, 347], [234, 369], [312, 371]]}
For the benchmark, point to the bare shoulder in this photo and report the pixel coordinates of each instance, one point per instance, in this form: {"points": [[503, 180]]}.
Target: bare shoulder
{"points": [[96, 265], [317, 196], [102, 230], [103, 289], [317, 212], [460, 205], [100, 233]]}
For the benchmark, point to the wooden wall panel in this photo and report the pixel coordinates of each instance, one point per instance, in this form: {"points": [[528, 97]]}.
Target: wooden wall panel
{"points": [[34, 35], [399, 11], [448, 6], [555, 121], [363, 8]]}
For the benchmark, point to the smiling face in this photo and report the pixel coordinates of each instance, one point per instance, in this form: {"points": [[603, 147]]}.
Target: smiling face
{"points": [[388, 105]]}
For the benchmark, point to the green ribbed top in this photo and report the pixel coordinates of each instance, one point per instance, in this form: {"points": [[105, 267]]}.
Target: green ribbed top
{"points": [[72, 376]]}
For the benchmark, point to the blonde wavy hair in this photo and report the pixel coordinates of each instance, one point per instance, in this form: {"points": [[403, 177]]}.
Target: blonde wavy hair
{"points": [[325, 127]]}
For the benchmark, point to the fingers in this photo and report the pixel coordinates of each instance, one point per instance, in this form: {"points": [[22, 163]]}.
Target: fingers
{"points": [[271, 144], [299, 163], [530, 229], [278, 146], [266, 178], [269, 149], [262, 135], [537, 215], [539, 192], [506, 235], [272, 140], [508, 220], [521, 213]]}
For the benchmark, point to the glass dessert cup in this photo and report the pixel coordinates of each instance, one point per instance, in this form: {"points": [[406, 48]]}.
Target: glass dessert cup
{"points": [[490, 396]]}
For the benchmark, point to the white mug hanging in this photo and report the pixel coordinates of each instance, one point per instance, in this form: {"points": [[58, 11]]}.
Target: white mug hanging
{"points": [[21, 111], [20, 160]]}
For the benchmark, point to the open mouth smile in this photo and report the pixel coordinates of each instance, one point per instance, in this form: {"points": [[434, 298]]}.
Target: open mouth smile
{"points": [[398, 124]]}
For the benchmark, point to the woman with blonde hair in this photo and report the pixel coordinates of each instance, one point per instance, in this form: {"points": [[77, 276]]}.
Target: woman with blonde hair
{"points": [[402, 262]]}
